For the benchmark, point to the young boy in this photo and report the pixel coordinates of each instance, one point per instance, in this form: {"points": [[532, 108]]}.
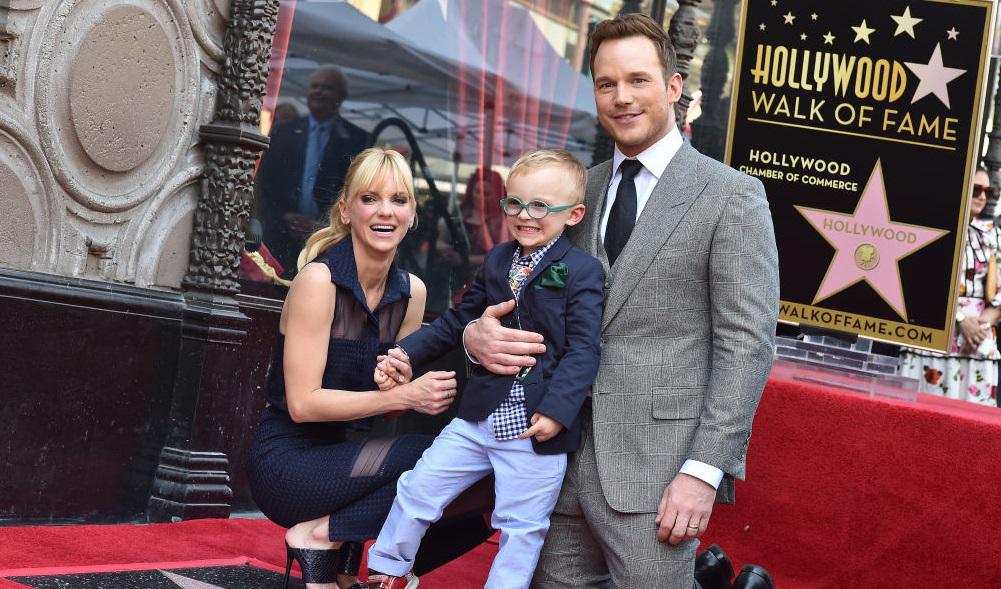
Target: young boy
{"points": [[522, 427]]}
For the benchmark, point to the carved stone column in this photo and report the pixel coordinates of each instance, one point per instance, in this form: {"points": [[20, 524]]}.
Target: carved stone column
{"points": [[685, 35], [192, 479], [709, 131], [992, 159]]}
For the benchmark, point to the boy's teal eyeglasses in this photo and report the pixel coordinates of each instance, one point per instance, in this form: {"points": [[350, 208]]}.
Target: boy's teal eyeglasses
{"points": [[512, 207]]}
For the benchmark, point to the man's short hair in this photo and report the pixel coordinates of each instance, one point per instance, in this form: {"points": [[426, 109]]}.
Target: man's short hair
{"points": [[540, 158], [636, 25]]}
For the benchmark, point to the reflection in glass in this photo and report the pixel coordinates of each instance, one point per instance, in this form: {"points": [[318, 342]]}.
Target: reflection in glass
{"points": [[475, 83], [303, 170]]}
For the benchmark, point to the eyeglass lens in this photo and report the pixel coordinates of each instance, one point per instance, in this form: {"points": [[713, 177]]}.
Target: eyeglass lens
{"points": [[536, 208]]}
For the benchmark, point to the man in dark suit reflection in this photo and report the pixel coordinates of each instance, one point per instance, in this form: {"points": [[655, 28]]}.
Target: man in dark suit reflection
{"points": [[302, 172]]}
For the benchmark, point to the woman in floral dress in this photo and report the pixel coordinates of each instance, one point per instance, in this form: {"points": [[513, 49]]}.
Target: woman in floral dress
{"points": [[970, 371]]}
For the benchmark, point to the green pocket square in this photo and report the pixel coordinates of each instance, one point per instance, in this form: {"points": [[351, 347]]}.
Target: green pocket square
{"points": [[555, 276]]}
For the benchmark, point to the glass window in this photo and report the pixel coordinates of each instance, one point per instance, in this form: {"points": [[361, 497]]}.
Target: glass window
{"points": [[461, 88]]}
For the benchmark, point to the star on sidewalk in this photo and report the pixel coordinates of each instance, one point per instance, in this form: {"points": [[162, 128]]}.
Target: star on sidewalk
{"points": [[789, 17], [867, 244], [905, 22], [934, 77], [953, 34], [862, 32], [187, 582], [829, 38]]}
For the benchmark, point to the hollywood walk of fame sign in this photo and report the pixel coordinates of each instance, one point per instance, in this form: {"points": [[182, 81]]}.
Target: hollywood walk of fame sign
{"points": [[861, 120]]}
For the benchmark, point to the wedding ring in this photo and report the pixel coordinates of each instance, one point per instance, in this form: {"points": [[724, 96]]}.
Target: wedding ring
{"points": [[691, 527]]}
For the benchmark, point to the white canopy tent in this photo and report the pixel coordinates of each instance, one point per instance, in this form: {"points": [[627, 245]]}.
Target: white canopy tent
{"points": [[429, 71]]}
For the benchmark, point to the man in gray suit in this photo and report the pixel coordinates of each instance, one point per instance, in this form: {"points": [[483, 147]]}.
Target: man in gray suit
{"points": [[687, 334]]}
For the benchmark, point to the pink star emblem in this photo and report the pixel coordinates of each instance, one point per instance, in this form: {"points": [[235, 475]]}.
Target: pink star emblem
{"points": [[868, 244], [934, 77]]}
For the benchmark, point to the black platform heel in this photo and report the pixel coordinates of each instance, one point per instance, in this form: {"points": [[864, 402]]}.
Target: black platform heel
{"points": [[349, 562], [318, 566]]}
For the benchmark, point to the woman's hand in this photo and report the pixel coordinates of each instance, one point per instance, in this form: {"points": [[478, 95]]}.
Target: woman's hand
{"points": [[393, 369], [430, 394], [973, 334], [990, 315]]}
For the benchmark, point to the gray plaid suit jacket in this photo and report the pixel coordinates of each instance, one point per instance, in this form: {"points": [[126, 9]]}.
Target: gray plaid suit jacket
{"points": [[688, 329]]}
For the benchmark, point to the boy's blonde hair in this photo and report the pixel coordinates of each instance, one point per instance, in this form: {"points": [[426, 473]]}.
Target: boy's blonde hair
{"points": [[369, 167], [539, 158]]}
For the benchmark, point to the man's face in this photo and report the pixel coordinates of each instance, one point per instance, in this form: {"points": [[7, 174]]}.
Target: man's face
{"points": [[326, 91], [634, 102]]}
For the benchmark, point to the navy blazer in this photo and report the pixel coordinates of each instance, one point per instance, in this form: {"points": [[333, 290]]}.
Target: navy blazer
{"points": [[569, 319], [280, 175]]}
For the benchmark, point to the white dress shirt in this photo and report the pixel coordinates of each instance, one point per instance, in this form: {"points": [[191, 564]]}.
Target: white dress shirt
{"points": [[655, 159]]}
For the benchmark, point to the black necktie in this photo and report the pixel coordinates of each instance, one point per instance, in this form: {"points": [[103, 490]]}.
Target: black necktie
{"points": [[622, 217]]}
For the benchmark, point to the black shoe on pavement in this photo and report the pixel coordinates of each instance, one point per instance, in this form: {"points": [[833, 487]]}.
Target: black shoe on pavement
{"points": [[753, 577], [713, 569]]}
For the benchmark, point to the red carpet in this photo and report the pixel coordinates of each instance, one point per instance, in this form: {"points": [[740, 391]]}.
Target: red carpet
{"points": [[844, 491], [57, 549]]}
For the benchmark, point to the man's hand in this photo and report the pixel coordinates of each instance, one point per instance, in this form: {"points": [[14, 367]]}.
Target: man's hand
{"points": [[497, 348], [684, 510], [543, 428]]}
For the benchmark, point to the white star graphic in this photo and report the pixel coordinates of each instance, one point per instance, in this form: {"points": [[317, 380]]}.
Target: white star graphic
{"points": [[862, 32], [953, 34], [789, 17], [934, 77], [187, 582], [829, 39], [905, 22], [775, 2], [762, 26], [802, 37], [814, 16]]}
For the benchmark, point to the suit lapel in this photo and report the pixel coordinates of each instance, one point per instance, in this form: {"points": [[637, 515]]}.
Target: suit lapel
{"points": [[676, 190], [502, 266], [585, 234], [297, 158], [555, 253]]}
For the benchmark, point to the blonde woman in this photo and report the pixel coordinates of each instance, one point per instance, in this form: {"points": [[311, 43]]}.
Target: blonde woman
{"points": [[348, 304]]}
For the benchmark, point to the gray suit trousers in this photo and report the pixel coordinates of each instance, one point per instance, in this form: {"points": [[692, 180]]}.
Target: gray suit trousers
{"points": [[624, 554]]}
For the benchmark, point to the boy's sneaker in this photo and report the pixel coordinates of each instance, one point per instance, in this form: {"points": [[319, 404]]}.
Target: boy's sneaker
{"points": [[381, 581]]}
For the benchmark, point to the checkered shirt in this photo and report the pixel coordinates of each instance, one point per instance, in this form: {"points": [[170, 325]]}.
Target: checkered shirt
{"points": [[510, 417]]}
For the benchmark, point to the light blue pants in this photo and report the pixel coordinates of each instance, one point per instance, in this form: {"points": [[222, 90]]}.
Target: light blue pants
{"points": [[527, 485]]}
